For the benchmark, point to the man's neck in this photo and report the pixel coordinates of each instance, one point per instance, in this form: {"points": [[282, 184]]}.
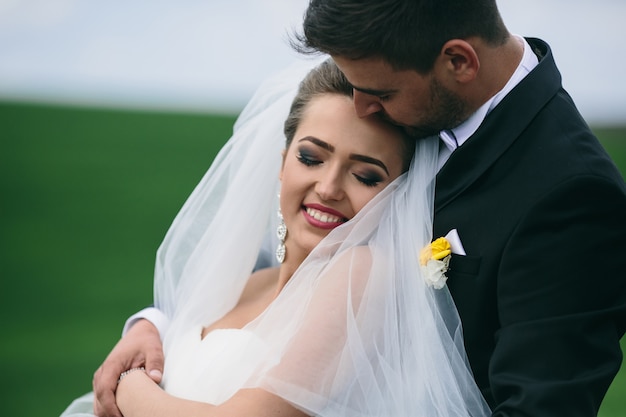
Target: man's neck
{"points": [[466, 129], [497, 65]]}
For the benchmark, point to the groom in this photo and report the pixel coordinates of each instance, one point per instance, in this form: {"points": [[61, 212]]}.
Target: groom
{"points": [[539, 207]]}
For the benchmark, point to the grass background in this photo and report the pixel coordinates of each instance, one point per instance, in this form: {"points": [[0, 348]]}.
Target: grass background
{"points": [[86, 195]]}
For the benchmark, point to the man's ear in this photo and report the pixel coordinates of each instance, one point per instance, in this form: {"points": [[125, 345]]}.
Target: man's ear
{"points": [[461, 59]]}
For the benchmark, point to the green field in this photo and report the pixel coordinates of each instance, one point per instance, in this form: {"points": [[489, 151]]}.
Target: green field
{"points": [[86, 197]]}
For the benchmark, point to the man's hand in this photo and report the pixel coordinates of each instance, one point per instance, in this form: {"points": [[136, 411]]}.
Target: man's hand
{"points": [[141, 346]]}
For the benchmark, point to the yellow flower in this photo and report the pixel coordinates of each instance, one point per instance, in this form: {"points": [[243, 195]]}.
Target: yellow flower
{"points": [[434, 261], [437, 250]]}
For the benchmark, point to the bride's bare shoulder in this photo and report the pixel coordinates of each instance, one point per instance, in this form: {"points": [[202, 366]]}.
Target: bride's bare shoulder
{"points": [[259, 282]]}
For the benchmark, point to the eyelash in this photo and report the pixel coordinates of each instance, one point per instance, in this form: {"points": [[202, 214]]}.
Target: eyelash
{"points": [[307, 160], [368, 182]]}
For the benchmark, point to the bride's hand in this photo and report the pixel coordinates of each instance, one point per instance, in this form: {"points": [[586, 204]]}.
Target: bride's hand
{"points": [[141, 346], [137, 395]]}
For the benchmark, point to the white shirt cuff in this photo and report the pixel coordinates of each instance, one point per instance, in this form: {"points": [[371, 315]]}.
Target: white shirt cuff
{"points": [[153, 315]]}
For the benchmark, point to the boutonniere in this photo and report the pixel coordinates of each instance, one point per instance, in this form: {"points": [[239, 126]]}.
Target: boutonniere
{"points": [[434, 261]]}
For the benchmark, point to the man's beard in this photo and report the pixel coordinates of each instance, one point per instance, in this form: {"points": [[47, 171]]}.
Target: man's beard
{"points": [[446, 111]]}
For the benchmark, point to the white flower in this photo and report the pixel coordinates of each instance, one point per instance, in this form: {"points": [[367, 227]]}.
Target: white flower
{"points": [[434, 272]]}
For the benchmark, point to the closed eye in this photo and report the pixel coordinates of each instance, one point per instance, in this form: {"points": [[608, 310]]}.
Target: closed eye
{"points": [[307, 159], [369, 181], [381, 95]]}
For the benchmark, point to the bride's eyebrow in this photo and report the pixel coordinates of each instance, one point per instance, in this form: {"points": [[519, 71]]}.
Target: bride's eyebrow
{"points": [[318, 142], [353, 156], [369, 160]]}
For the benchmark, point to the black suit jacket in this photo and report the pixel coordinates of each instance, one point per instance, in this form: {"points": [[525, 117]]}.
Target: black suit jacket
{"points": [[541, 211]]}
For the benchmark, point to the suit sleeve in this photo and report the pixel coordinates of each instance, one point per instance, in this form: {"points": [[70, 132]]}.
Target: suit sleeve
{"points": [[562, 302]]}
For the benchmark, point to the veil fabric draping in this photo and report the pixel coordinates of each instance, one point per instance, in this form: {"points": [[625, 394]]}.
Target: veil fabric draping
{"points": [[355, 332]]}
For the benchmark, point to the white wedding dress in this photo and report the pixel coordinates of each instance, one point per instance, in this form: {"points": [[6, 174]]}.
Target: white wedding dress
{"points": [[211, 369]]}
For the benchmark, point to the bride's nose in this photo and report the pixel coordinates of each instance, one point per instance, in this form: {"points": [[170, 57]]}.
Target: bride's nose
{"points": [[329, 185]]}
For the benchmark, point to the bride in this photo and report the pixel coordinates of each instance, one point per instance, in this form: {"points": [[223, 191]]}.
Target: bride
{"points": [[346, 323]]}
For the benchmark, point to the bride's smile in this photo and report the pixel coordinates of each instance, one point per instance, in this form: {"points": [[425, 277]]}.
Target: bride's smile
{"points": [[323, 217]]}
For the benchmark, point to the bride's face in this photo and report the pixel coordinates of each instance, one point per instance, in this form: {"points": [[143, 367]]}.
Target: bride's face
{"points": [[336, 163]]}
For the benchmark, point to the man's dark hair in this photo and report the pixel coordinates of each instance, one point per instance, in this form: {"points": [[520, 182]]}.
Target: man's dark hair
{"points": [[408, 34]]}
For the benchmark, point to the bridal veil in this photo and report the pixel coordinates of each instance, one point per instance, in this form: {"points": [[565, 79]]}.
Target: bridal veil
{"points": [[356, 331]]}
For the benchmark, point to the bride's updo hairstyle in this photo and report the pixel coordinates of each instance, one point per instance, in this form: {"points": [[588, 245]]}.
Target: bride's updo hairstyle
{"points": [[326, 78]]}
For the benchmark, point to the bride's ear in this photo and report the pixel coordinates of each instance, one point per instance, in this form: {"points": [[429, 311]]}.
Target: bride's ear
{"points": [[282, 165]]}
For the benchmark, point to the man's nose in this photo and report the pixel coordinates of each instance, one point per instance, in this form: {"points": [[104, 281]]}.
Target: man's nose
{"points": [[365, 104]]}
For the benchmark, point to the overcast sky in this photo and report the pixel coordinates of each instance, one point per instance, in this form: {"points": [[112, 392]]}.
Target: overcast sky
{"points": [[212, 54]]}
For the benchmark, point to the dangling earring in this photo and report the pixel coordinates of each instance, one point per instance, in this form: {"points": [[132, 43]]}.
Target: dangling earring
{"points": [[281, 233]]}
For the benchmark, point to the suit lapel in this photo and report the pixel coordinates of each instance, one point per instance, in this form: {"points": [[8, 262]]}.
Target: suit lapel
{"points": [[500, 129]]}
